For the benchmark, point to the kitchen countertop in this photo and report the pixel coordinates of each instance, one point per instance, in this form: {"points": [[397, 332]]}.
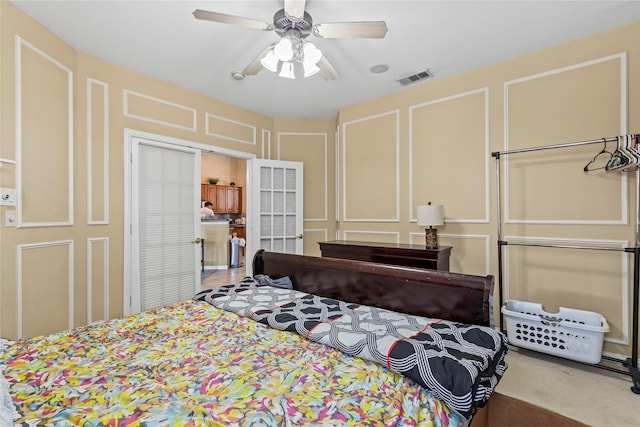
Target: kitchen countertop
{"points": [[216, 243]]}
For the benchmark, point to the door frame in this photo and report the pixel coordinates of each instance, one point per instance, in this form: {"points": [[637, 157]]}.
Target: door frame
{"points": [[253, 214], [130, 228]]}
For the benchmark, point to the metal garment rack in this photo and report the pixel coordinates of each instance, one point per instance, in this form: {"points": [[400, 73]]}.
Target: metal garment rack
{"points": [[630, 363]]}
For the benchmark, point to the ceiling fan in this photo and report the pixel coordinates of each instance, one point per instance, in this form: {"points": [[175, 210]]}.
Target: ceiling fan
{"points": [[293, 24]]}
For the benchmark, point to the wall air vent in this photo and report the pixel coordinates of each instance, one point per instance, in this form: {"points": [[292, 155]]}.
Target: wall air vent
{"points": [[414, 78]]}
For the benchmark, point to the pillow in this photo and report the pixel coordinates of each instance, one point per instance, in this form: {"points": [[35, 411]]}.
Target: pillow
{"points": [[283, 282]]}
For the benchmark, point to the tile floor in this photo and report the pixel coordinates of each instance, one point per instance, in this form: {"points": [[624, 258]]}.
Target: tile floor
{"points": [[216, 278]]}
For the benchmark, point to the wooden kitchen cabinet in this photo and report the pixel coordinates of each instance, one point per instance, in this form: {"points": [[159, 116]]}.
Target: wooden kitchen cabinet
{"points": [[220, 205], [234, 200], [225, 198], [204, 192], [240, 231]]}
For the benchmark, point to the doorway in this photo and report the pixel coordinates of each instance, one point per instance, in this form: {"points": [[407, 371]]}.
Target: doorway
{"points": [[153, 256], [164, 223], [226, 171], [277, 223]]}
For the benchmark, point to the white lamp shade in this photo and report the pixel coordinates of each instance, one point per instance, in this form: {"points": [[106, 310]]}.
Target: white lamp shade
{"points": [[311, 53], [270, 62], [284, 50], [310, 68], [430, 215], [287, 70]]}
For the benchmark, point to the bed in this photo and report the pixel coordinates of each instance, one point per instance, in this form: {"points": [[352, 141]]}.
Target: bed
{"points": [[305, 341]]}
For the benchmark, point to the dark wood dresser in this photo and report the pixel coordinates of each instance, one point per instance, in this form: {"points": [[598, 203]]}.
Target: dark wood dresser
{"points": [[434, 258]]}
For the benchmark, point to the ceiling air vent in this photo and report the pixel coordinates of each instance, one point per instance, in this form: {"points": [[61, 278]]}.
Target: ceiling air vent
{"points": [[414, 78]]}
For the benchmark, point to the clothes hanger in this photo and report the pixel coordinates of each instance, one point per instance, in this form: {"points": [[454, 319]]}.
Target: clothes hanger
{"points": [[626, 155], [603, 151], [620, 158]]}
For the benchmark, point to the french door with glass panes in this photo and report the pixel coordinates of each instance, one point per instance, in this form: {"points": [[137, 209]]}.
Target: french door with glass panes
{"points": [[276, 221]]}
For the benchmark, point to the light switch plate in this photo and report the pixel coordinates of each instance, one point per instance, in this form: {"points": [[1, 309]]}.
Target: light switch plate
{"points": [[7, 196], [10, 218]]}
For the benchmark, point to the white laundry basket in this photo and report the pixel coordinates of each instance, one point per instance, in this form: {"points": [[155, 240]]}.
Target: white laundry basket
{"points": [[569, 333]]}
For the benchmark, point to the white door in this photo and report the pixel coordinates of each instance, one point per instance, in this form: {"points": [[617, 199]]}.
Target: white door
{"points": [[275, 218], [165, 224]]}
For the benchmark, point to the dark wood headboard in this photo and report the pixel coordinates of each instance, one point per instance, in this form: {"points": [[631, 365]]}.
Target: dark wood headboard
{"points": [[429, 293]]}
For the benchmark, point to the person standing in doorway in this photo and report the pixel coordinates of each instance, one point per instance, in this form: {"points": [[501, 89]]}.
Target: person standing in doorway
{"points": [[207, 212]]}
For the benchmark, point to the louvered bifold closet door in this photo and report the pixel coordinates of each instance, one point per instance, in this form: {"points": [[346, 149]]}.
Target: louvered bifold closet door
{"points": [[166, 223]]}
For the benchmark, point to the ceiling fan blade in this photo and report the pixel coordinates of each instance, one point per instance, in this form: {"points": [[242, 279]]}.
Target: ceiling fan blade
{"points": [[353, 30], [326, 69], [255, 65], [294, 8], [231, 19]]}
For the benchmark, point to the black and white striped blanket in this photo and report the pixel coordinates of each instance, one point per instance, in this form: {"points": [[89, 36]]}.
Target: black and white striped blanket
{"points": [[459, 363]]}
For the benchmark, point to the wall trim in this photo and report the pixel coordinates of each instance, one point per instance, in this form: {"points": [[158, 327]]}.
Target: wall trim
{"points": [[105, 153], [126, 113], [229, 138], [19, 250], [624, 219], [624, 288], [19, 42], [345, 218], [487, 156], [318, 230], [345, 234], [105, 294], [326, 168], [485, 237], [337, 179], [324, 231], [266, 137]]}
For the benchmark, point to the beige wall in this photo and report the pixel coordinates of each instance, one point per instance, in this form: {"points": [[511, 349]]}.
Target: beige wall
{"points": [[431, 142], [434, 142], [227, 169], [313, 143], [74, 110]]}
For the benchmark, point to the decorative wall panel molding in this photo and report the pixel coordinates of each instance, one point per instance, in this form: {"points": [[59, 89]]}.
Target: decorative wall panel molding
{"points": [[316, 170], [311, 238], [43, 108], [97, 152], [231, 130], [50, 308], [363, 235], [266, 142], [430, 125], [419, 238], [155, 110], [373, 194], [97, 280], [550, 108], [590, 264]]}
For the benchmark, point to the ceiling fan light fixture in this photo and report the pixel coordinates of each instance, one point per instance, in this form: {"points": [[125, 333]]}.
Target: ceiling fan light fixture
{"points": [[310, 69], [270, 62], [293, 24], [287, 70], [284, 49], [311, 53]]}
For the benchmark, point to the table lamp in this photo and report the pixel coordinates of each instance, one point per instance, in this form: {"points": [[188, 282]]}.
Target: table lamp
{"points": [[430, 216]]}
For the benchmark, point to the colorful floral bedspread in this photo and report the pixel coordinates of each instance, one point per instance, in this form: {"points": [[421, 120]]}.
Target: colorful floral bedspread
{"points": [[191, 364]]}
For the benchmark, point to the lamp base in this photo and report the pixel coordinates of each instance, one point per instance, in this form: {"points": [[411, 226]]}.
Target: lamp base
{"points": [[431, 235]]}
